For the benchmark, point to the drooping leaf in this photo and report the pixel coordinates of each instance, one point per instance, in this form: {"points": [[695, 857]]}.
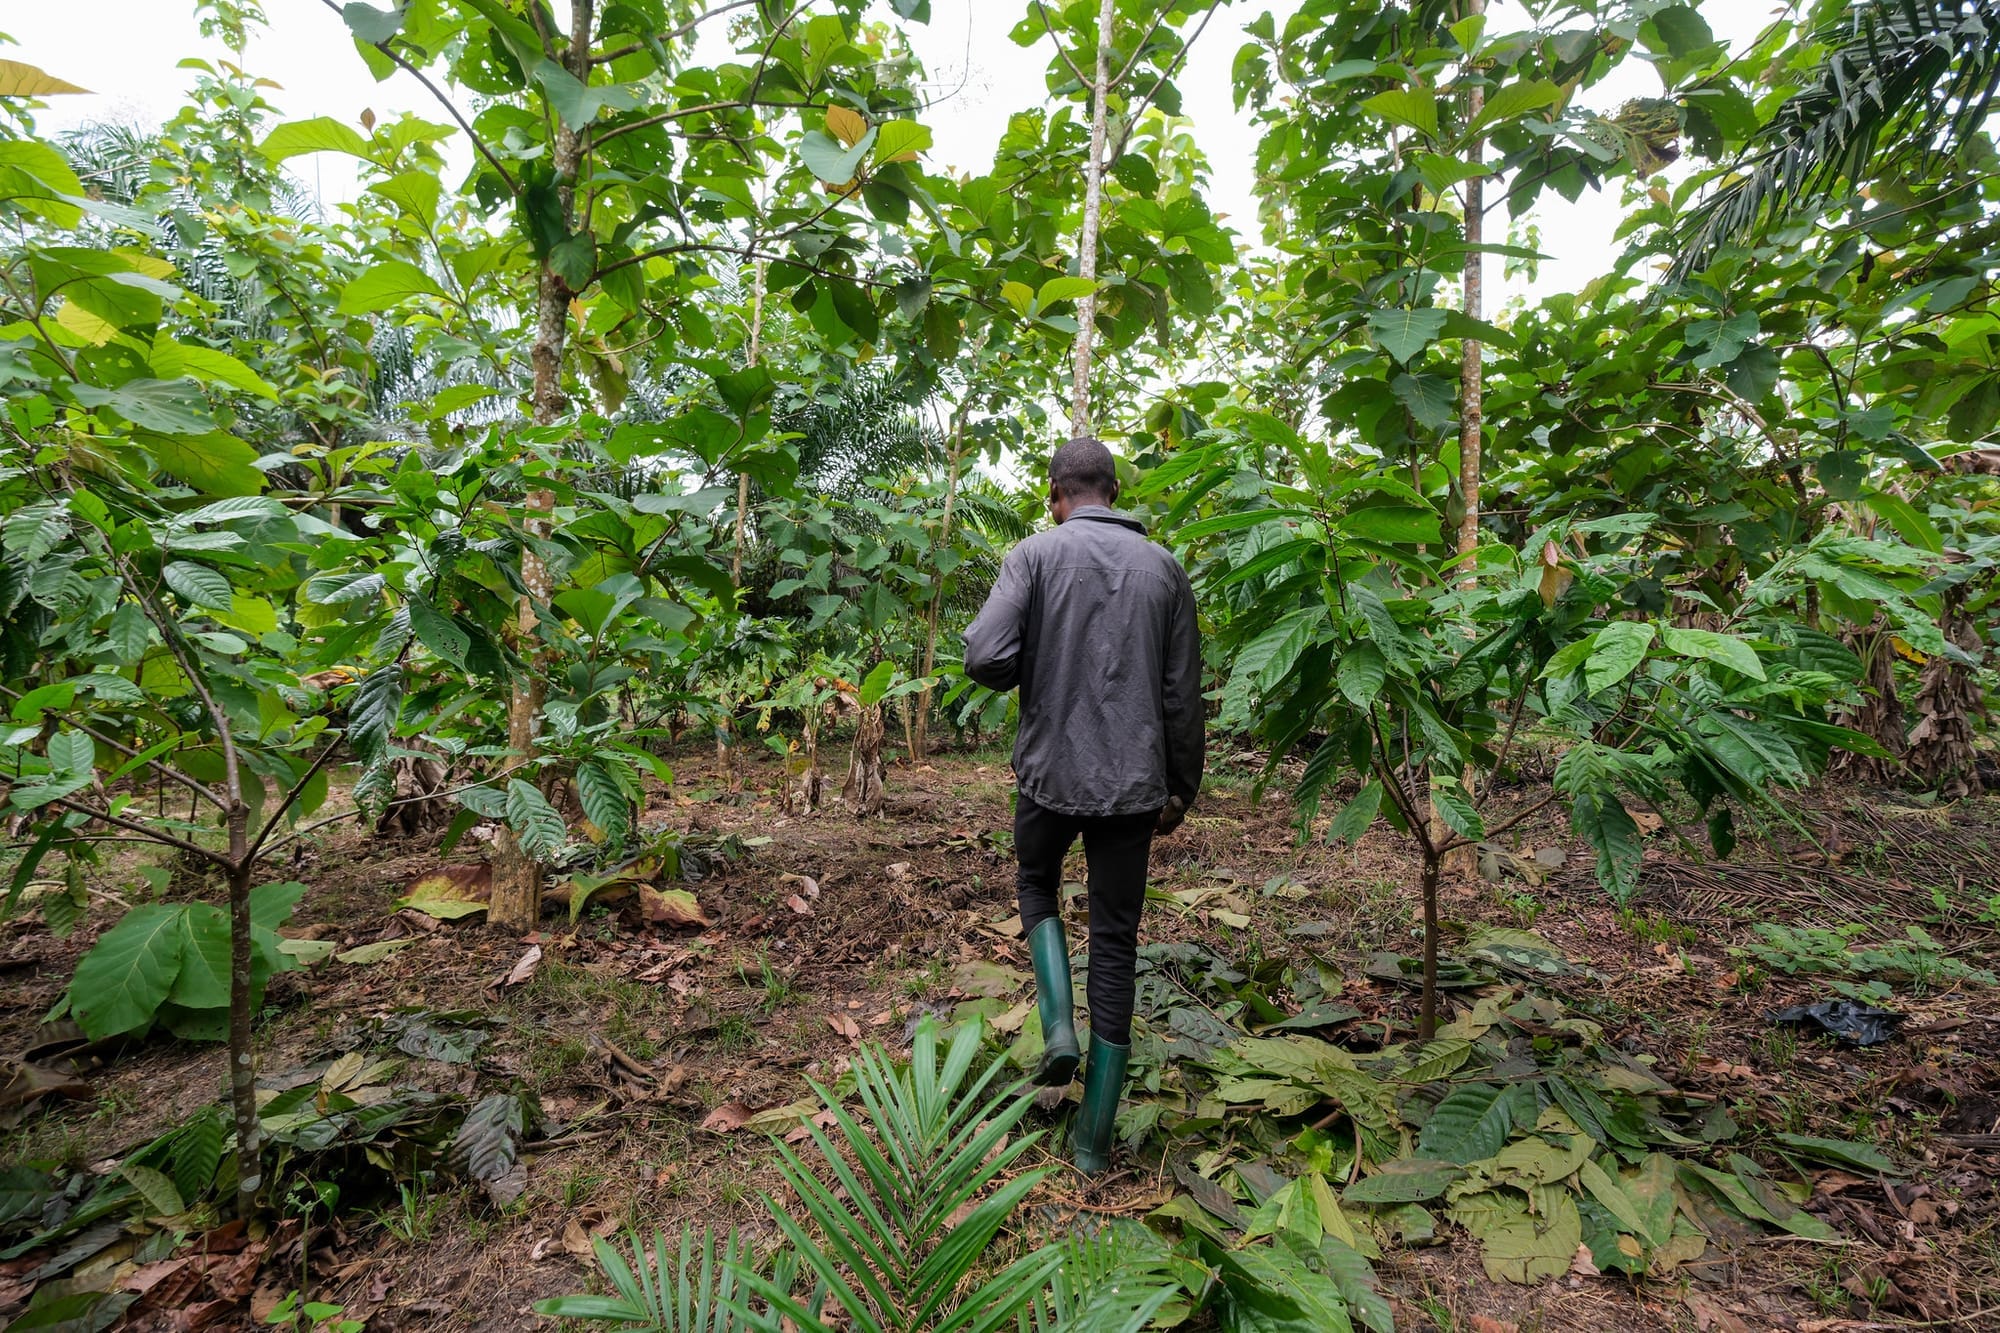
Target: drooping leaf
{"points": [[122, 982]]}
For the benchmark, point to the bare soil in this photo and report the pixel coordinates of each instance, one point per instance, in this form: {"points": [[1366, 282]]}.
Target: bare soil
{"points": [[834, 930]]}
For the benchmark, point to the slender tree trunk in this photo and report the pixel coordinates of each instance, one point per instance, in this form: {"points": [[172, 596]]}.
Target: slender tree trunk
{"points": [[1093, 212], [1472, 368], [743, 479], [1464, 863], [1427, 1021], [242, 997], [921, 744], [516, 903], [725, 732]]}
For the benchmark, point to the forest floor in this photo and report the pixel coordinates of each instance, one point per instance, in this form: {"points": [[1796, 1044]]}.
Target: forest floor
{"points": [[649, 1045]]}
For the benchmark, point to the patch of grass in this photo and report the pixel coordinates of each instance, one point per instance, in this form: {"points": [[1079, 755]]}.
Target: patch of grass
{"points": [[780, 988], [413, 1218], [1653, 929], [734, 1033]]}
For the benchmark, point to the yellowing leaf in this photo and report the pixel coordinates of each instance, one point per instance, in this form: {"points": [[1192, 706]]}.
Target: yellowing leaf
{"points": [[23, 80], [1063, 289], [1019, 295], [91, 328], [848, 126]]}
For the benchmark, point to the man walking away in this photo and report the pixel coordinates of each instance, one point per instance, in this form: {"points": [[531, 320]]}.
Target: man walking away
{"points": [[1096, 625]]}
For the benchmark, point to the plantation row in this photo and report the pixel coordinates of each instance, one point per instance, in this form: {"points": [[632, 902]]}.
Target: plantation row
{"points": [[705, 404]]}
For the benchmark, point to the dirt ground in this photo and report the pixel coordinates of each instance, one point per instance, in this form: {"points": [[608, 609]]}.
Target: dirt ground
{"points": [[645, 1043]]}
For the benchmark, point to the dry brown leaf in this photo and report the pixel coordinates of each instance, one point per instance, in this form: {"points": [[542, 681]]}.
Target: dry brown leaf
{"points": [[1708, 1314], [462, 883], [845, 1026], [807, 884], [575, 1239], [882, 1019], [1488, 1324], [1583, 1265], [729, 1117], [799, 905], [524, 970]]}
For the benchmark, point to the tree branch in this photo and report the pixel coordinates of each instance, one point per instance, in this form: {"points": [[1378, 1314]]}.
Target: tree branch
{"points": [[150, 834], [513, 187], [672, 35], [1050, 28], [291, 796]]}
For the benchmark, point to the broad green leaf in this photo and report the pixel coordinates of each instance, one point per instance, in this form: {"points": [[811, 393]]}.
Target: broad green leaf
{"points": [[1512, 102], [1357, 816], [577, 103], [1451, 803], [167, 406], [1470, 1125], [1843, 1152], [439, 632], [203, 981], [1019, 295], [271, 905], [1620, 648], [1360, 674], [1404, 333], [321, 134], [125, 978], [1063, 289], [1404, 1180], [153, 1185], [540, 829], [1430, 399], [1393, 525], [1708, 645], [173, 360], [372, 25], [71, 752], [388, 283], [876, 684], [198, 585], [832, 162], [1414, 108], [900, 141]]}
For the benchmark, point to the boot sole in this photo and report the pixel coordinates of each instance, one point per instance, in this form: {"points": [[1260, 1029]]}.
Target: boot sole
{"points": [[1058, 1070]]}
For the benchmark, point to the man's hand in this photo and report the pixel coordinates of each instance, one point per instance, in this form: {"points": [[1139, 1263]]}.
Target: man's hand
{"points": [[1171, 817]]}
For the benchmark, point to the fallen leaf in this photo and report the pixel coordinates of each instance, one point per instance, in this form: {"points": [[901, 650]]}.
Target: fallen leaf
{"points": [[1487, 1324], [845, 1026], [670, 907], [575, 1239], [898, 870], [825, 1120], [728, 1117], [1583, 1265], [1710, 1315], [364, 954], [882, 1019], [449, 892], [807, 884], [524, 970], [799, 905]]}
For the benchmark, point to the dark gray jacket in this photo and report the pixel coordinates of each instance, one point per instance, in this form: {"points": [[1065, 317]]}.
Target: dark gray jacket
{"points": [[1096, 624]]}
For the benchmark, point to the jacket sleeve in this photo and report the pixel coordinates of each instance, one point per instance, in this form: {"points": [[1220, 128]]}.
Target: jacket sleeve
{"points": [[1181, 698], [993, 640]]}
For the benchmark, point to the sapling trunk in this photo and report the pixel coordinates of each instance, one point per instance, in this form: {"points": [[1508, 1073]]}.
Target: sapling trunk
{"points": [[1433, 867], [242, 1058], [1093, 212], [921, 744], [516, 903]]}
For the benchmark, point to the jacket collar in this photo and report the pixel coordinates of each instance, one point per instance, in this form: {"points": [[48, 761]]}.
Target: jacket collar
{"points": [[1101, 514]]}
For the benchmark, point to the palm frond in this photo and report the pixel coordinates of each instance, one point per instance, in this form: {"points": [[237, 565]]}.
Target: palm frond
{"points": [[1902, 79], [702, 1293], [1115, 1281]]}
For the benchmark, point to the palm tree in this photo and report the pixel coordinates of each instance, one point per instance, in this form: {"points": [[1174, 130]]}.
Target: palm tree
{"points": [[1902, 80]]}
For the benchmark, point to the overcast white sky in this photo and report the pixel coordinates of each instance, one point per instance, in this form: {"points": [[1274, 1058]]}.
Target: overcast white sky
{"points": [[129, 51]]}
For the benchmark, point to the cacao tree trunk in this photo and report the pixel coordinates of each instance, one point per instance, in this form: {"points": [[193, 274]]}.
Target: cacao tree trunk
{"points": [[920, 745], [242, 1001], [516, 904], [1093, 212]]}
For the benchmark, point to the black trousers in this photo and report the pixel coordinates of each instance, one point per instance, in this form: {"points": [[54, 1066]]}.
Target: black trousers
{"points": [[1117, 848]]}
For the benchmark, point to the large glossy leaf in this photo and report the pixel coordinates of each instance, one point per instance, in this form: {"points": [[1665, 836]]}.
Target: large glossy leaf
{"points": [[388, 283], [1620, 648], [322, 134], [1404, 333], [125, 978]]}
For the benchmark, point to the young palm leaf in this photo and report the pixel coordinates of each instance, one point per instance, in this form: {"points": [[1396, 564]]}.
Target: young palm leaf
{"points": [[700, 1294], [1901, 77], [1113, 1282], [892, 1249]]}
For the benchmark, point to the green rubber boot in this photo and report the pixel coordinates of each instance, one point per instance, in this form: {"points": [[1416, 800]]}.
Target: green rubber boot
{"points": [[1103, 1082], [1057, 1005]]}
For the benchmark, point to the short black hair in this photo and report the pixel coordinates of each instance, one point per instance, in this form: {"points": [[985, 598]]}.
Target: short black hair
{"points": [[1084, 468]]}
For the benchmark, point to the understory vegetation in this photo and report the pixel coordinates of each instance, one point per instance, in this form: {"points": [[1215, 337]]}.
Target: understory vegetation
{"points": [[497, 831]]}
